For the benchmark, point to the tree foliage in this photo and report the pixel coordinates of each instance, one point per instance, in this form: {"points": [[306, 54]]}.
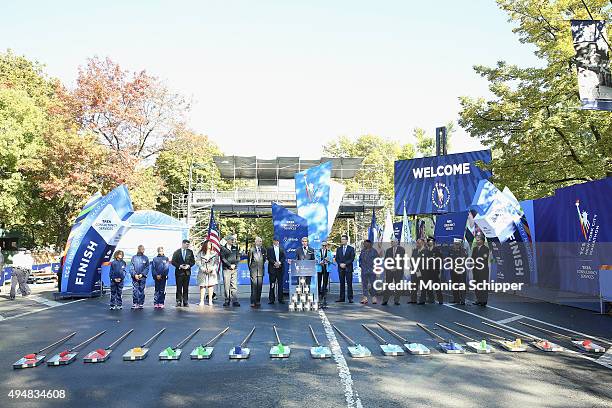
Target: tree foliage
{"points": [[540, 138], [131, 112]]}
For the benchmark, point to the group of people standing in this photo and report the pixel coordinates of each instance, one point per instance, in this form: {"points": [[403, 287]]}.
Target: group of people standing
{"points": [[427, 256], [140, 266], [224, 260]]}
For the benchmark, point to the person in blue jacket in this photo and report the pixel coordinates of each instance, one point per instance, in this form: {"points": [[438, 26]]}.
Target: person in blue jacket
{"points": [[159, 271], [323, 259], [116, 277], [139, 268]]}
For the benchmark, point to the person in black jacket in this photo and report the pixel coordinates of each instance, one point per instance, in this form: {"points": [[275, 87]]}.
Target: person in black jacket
{"points": [[395, 274], [433, 268], [230, 258], [345, 255], [480, 254], [159, 270], [183, 259], [417, 275], [276, 268], [458, 274], [305, 252]]}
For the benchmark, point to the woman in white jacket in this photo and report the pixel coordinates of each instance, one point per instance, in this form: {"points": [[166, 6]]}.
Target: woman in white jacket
{"points": [[208, 266]]}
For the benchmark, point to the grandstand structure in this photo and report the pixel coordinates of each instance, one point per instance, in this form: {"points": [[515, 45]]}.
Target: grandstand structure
{"points": [[250, 185]]}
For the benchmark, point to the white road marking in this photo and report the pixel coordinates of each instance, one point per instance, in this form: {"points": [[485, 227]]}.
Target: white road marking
{"points": [[575, 353], [59, 304], [352, 398], [44, 301], [510, 319], [550, 324]]}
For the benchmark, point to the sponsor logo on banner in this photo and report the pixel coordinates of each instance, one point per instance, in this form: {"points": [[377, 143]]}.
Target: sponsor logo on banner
{"points": [[589, 229], [440, 195]]}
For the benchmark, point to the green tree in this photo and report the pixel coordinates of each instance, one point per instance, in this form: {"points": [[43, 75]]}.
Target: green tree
{"points": [[540, 138], [22, 125], [178, 155], [425, 144], [379, 156]]}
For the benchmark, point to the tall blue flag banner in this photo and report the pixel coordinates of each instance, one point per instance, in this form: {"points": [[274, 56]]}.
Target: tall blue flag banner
{"points": [[439, 184], [592, 63], [373, 228], [94, 241], [312, 196], [574, 236], [397, 229], [289, 228]]}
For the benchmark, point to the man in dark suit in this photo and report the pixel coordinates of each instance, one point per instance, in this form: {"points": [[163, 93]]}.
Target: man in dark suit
{"points": [[416, 276], [256, 261], [276, 269], [305, 252], [183, 260], [395, 274], [345, 255], [480, 255], [433, 269], [458, 274]]}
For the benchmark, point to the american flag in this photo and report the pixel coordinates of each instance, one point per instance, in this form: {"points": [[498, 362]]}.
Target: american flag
{"points": [[213, 233]]}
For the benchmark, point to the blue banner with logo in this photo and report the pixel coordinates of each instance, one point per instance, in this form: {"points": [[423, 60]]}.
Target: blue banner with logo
{"points": [[573, 236], [312, 197], [450, 226], [439, 184], [289, 228], [94, 241]]}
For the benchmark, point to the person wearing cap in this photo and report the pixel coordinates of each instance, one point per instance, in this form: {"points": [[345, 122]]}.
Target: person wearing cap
{"points": [[481, 269], [433, 268], [458, 276], [276, 268], [139, 269], [183, 259], [230, 257], [345, 255], [256, 261], [395, 273], [323, 258], [22, 263]]}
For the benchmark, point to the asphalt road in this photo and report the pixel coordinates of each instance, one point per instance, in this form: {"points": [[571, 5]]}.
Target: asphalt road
{"points": [[502, 379]]}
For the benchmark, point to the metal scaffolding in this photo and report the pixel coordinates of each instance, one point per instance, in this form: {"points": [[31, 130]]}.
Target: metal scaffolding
{"points": [[257, 183]]}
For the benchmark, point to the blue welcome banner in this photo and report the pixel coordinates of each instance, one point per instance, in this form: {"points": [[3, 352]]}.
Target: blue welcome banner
{"points": [[312, 197], [439, 184], [94, 241]]}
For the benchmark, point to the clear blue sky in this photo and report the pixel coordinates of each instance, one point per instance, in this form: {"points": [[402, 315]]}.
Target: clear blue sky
{"points": [[283, 77]]}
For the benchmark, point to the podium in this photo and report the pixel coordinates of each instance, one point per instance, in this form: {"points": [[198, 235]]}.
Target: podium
{"points": [[303, 286]]}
